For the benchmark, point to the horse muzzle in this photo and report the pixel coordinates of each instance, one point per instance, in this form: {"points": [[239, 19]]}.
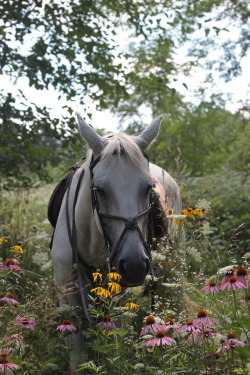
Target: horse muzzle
{"points": [[133, 269]]}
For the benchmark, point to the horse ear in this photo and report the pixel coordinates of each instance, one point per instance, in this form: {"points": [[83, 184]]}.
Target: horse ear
{"points": [[149, 134], [94, 140]]}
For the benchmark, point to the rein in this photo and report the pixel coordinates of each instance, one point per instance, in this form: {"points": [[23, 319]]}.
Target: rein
{"points": [[73, 242], [129, 224]]}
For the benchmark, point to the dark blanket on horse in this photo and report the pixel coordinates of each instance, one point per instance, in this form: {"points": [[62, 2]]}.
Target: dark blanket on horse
{"points": [[56, 199]]}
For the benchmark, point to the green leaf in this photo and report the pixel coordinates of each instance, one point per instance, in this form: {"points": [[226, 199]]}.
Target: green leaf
{"points": [[246, 322], [52, 360]]}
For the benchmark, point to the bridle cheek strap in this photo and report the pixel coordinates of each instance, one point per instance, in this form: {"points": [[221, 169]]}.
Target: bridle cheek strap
{"points": [[98, 222], [130, 223]]}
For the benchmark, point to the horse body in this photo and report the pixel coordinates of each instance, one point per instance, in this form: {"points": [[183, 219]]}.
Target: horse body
{"points": [[171, 199], [122, 179]]}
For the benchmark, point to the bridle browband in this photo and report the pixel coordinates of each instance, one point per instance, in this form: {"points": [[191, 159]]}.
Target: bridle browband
{"points": [[130, 224]]}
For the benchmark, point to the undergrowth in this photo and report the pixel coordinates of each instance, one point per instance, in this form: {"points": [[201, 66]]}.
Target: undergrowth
{"points": [[129, 334]]}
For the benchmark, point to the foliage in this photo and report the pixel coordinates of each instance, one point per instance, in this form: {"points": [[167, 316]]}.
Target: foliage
{"points": [[71, 47], [203, 145], [206, 134], [148, 78], [31, 140], [118, 347], [228, 193], [209, 22], [67, 46]]}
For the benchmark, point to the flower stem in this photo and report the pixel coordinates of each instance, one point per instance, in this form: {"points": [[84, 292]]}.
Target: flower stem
{"points": [[235, 304]]}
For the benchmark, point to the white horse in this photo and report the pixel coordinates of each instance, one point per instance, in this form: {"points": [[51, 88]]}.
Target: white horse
{"points": [[104, 214]]}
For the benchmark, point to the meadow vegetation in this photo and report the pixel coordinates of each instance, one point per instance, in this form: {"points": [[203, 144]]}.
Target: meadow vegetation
{"points": [[73, 49], [128, 333]]}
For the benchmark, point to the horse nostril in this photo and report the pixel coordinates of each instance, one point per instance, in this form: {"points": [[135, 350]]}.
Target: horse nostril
{"points": [[133, 270]]}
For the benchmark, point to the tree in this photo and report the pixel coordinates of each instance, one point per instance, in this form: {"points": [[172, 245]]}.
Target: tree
{"points": [[68, 46], [30, 141], [206, 23], [207, 136]]}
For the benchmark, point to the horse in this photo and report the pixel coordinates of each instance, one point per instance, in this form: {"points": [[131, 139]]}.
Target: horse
{"points": [[103, 221]]}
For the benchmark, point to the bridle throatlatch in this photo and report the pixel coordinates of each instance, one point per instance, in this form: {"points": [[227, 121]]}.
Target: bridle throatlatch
{"points": [[130, 223]]}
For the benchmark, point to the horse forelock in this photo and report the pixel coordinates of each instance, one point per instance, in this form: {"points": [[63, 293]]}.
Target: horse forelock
{"points": [[122, 143]]}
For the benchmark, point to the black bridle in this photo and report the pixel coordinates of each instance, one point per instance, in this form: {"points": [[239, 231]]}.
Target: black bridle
{"points": [[130, 224]]}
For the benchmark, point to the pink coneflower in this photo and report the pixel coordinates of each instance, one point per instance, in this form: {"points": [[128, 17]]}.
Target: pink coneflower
{"points": [[5, 363], [242, 276], [160, 339], [26, 323], [66, 326], [10, 299], [227, 276], [211, 287], [246, 301], [231, 337], [223, 338], [232, 283], [9, 264], [189, 327], [106, 323], [151, 326], [170, 324], [230, 341], [197, 338], [208, 333], [15, 339], [194, 338], [233, 344], [203, 320]]}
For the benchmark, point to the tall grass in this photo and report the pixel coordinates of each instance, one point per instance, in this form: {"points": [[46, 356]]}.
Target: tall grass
{"points": [[122, 339]]}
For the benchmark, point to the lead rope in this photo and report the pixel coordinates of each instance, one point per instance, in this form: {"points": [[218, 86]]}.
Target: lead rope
{"points": [[73, 243]]}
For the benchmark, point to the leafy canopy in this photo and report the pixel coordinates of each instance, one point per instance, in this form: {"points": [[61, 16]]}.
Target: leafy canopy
{"points": [[72, 47], [67, 46]]}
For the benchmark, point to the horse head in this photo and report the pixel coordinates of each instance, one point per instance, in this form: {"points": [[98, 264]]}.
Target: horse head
{"points": [[120, 182]]}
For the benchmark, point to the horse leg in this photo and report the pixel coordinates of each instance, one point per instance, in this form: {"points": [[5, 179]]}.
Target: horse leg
{"points": [[78, 352], [65, 281]]}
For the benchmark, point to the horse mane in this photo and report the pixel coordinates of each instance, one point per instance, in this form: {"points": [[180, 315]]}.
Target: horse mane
{"points": [[121, 143]]}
